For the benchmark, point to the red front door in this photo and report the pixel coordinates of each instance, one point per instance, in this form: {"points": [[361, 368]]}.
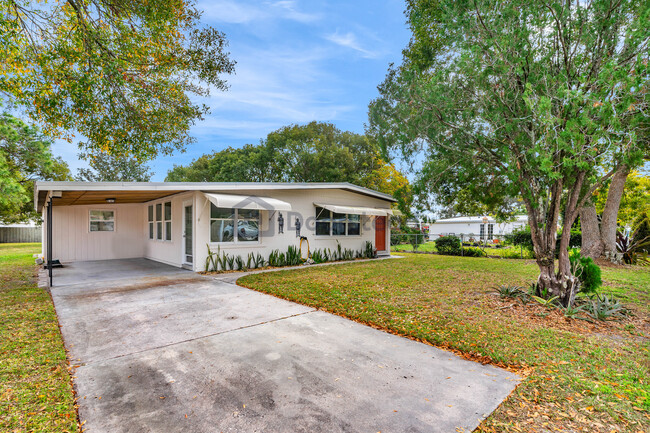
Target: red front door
{"points": [[380, 233]]}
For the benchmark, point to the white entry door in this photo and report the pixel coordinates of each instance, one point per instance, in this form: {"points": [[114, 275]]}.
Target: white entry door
{"points": [[188, 233]]}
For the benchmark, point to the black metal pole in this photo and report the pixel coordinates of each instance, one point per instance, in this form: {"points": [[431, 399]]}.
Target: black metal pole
{"points": [[49, 240]]}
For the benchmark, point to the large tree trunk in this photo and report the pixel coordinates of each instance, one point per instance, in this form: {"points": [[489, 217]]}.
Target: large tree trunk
{"points": [[599, 239], [561, 283], [592, 245], [609, 219]]}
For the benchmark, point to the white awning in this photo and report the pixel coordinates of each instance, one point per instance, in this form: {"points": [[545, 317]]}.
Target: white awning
{"points": [[354, 209], [229, 201]]}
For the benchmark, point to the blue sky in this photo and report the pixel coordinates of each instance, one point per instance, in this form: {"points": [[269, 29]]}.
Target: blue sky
{"points": [[297, 61]]}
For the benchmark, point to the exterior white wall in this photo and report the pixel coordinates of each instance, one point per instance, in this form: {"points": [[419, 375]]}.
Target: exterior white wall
{"points": [[72, 239], [170, 252], [302, 202], [438, 229]]}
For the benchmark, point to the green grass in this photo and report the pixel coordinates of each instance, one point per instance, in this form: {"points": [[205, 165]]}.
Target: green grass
{"points": [[580, 377], [35, 390], [430, 247]]}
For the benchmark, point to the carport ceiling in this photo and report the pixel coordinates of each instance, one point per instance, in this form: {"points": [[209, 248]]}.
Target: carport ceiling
{"points": [[99, 197]]}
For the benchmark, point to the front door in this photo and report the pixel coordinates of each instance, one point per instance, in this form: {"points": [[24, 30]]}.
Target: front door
{"points": [[188, 257], [380, 233]]}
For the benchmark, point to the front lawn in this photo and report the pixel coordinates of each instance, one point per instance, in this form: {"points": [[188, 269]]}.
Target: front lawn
{"points": [[581, 376], [35, 390]]}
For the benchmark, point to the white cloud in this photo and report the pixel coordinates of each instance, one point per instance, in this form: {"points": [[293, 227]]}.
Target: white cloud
{"points": [[237, 12], [349, 40], [291, 12]]}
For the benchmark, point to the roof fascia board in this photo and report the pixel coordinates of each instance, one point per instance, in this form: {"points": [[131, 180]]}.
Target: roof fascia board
{"points": [[202, 186]]}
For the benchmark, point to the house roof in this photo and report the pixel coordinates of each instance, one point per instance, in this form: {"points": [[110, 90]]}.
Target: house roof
{"points": [[140, 192], [476, 219]]}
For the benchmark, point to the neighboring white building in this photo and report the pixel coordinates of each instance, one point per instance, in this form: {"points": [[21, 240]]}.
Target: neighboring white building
{"points": [[482, 227], [174, 222]]}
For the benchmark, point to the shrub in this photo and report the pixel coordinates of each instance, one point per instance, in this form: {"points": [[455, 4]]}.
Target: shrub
{"points": [[449, 245], [473, 252], [522, 237], [586, 270]]}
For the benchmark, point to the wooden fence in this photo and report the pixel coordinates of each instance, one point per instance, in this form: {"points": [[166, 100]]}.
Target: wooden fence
{"points": [[19, 234]]}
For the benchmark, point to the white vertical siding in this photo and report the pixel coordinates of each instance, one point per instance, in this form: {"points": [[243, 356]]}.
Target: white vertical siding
{"points": [[170, 252], [73, 241]]}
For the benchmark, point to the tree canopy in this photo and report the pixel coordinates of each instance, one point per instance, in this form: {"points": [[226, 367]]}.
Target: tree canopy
{"points": [[316, 152], [119, 73], [25, 156], [108, 168], [542, 100]]}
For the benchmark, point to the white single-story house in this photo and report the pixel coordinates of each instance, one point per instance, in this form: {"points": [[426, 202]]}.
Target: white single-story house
{"points": [[175, 222], [482, 227]]}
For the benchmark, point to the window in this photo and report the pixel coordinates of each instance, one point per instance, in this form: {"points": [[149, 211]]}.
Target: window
{"points": [[159, 224], [150, 222], [224, 220], [323, 222], [490, 231], [102, 221], [160, 221], [337, 224], [248, 225], [482, 232], [168, 220]]}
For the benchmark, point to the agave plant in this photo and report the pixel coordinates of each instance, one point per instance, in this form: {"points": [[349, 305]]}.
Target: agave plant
{"points": [[605, 307], [508, 291]]}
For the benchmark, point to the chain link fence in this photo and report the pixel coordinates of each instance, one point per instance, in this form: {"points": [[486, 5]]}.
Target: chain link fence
{"points": [[496, 246]]}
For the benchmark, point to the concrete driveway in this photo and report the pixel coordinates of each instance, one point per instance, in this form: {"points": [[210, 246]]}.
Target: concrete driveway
{"points": [[166, 350]]}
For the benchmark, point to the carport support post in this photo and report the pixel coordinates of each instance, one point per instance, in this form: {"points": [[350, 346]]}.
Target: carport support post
{"points": [[49, 240]]}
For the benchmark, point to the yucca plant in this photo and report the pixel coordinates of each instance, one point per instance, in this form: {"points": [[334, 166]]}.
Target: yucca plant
{"points": [[318, 256], [632, 248], [250, 261], [223, 261], [239, 263], [293, 257], [259, 261], [211, 262], [369, 250], [231, 262], [347, 254], [274, 258]]}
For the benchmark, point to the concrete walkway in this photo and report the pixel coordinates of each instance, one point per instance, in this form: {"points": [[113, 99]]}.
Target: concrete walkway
{"points": [[173, 351]]}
